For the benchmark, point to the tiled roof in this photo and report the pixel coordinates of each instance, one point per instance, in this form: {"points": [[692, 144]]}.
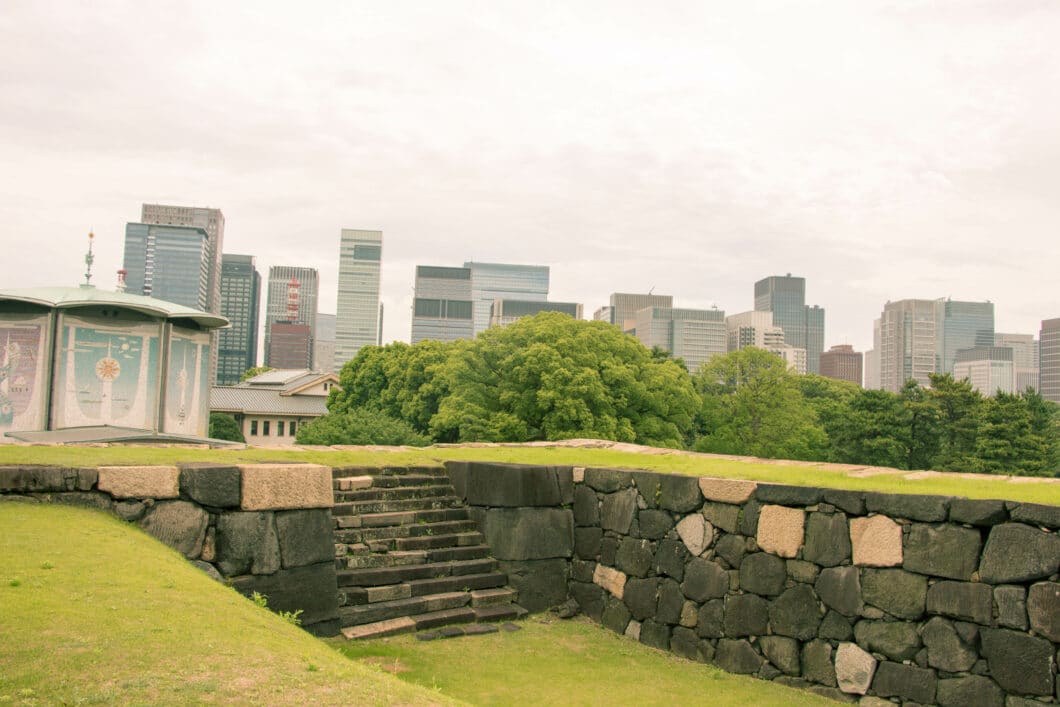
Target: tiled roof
{"points": [[265, 401]]}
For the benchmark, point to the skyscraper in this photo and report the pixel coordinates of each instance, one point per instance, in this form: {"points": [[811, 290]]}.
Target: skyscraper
{"points": [[170, 263], [1049, 360], [693, 335], [624, 307], [909, 342], [324, 344], [210, 220], [965, 325], [757, 329], [843, 363], [785, 297], [357, 315], [277, 302], [240, 297], [988, 368], [442, 307], [492, 281], [1024, 358], [506, 311]]}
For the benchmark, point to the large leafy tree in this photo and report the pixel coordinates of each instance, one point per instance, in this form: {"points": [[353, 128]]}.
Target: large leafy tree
{"points": [[923, 418], [1015, 435], [752, 405], [360, 426], [958, 405], [876, 431]]}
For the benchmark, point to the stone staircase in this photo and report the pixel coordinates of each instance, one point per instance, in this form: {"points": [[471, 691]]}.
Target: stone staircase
{"points": [[408, 556]]}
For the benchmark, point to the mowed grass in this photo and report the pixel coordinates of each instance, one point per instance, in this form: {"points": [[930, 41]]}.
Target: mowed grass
{"points": [[797, 473], [93, 611], [574, 662]]}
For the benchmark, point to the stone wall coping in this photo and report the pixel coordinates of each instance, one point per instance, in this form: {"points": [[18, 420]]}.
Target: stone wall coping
{"points": [[139, 481], [281, 486]]}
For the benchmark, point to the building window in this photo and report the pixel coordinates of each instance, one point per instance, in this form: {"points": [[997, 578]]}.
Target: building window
{"points": [[254, 428], [294, 427], [279, 428], [265, 428]]}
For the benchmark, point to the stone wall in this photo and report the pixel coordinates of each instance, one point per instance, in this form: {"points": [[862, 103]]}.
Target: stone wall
{"points": [[262, 527], [923, 599]]}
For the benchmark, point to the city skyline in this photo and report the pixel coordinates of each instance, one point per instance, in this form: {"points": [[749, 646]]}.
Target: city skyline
{"points": [[878, 162]]}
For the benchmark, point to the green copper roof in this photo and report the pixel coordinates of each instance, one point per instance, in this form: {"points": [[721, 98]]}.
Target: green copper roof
{"points": [[66, 297]]}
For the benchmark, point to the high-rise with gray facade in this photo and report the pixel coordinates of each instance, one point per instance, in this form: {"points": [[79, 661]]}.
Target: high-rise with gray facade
{"points": [[358, 314], [803, 325], [210, 220], [237, 348], [989, 369], [693, 335], [965, 325], [506, 311], [324, 344], [493, 281], [625, 305], [1024, 358], [170, 263], [1049, 360], [442, 308], [278, 301]]}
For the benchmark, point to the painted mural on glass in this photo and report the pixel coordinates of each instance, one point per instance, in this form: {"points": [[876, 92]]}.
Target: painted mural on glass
{"points": [[22, 372], [187, 383], [108, 374]]}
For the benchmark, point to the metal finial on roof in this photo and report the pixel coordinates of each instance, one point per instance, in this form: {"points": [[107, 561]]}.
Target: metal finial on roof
{"points": [[89, 258]]}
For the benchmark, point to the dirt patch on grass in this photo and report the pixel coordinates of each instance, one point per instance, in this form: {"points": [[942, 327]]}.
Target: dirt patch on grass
{"points": [[388, 665]]}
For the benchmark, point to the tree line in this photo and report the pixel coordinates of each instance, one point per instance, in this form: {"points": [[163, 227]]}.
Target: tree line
{"points": [[551, 377]]}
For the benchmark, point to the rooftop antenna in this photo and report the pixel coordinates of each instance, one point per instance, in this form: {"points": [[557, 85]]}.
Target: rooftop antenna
{"points": [[89, 258]]}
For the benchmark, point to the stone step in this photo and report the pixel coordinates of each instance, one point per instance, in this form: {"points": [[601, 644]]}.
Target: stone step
{"points": [[360, 508], [501, 612], [467, 583], [396, 575], [438, 541], [384, 610], [339, 472], [447, 554], [498, 596], [376, 520], [434, 619], [351, 483], [398, 558], [397, 493], [385, 482], [415, 530]]}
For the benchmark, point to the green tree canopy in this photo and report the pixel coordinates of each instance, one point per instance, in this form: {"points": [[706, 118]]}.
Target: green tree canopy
{"points": [[224, 426], [360, 426]]}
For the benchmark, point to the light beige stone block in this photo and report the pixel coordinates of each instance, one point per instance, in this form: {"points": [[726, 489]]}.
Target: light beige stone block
{"points": [[276, 486], [780, 530], [139, 481], [579, 474], [854, 669], [633, 630], [696, 532], [876, 541], [727, 490], [610, 579]]}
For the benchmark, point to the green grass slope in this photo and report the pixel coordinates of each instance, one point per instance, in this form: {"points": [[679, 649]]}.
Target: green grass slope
{"points": [[92, 611]]}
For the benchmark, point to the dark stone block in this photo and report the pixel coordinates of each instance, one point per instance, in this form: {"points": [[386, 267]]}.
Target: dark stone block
{"points": [[704, 580], [211, 485], [710, 622], [796, 613], [306, 537], [683, 642], [817, 663], [497, 484], [529, 533], [608, 550], [899, 593], [961, 600], [590, 598], [976, 512], [582, 570], [586, 507], [851, 502], [130, 511], [767, 672], [749, 518], [456, 471], [1037, 514], [897, 640], [670, 559], [33, 479], [930, 509], [246, 542], [763, 574], [182, 526], [784, 495], [634, 556], [209, 569], [311, 588], [840, 589], [942, 550], [722, 515], [671, 602], [608, 480], [655, 635], [565, 479], [905, 681], [671, 492], [746, 615], [731, 548], [946, 649], [1019, 663], [587, 543], [480, 629], [802, 571], [541, 583], [615, 616], [1016, 553], [654, 525], [971, 691], [1043, 609], [84, 499], [616, 510], [451, 631], [782, 652], [641, 596], [737, 657], [827, 540], [835, 627]]}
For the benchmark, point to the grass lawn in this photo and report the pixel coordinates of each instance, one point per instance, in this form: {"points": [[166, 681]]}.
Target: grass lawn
{"points": [[574, 662], [798, 473]]}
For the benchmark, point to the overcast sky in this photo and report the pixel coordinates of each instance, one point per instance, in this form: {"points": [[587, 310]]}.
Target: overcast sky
{"points": [[880, 150]]}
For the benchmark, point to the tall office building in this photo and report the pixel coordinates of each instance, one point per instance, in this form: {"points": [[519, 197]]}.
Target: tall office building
{"points": [[1049, 360], [693, 335], [277, 302], [753, 329], [237, 348], [872, 359], [965, 325], [358, 315], [785, 297], [843, 363], [624, 307], [210, 220], [909, 343], [324, 344], [602, 314], [493, 281], [442, 307], [506, 311], [170, 263], [988, 368], [1024, 358]]}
